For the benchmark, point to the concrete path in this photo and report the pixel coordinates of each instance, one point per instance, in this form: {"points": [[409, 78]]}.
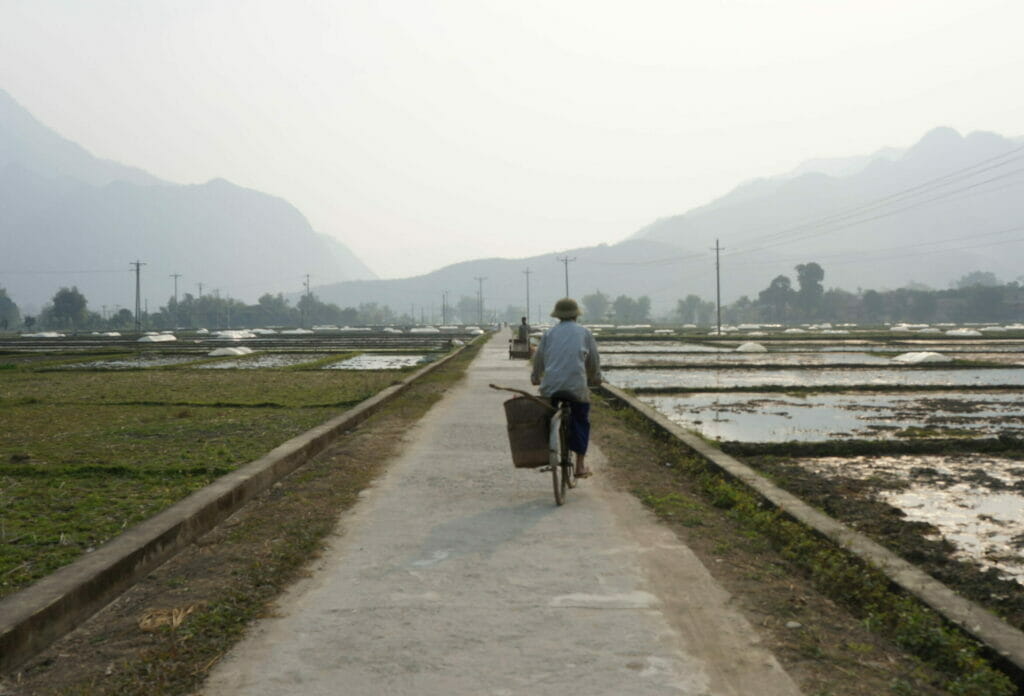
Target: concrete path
{"points": [[457, 574]]}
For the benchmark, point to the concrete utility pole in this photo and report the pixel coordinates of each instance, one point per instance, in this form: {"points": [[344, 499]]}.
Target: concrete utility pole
{"points": [[565, 260], [176, 276], [480, 297], [200, 290], [138, 295], [302, 318], [718, 286], [527, 274]]}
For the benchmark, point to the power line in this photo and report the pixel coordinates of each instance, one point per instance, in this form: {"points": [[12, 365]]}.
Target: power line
{"points": [[824, 228]]}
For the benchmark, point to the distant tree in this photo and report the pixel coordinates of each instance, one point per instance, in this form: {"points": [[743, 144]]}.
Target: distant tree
{"points": [[923, 306], [643, 310], [983, 278], [595, 306], [776, 298], [69, 307], [28, 321], [9, 313], [809, 277], [694, 310], [874, 306], [122, 320]]}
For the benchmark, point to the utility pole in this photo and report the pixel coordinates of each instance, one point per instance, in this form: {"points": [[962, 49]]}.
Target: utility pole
{"points": [[307, 308], [138, 295], [176, 276], [480, 297], [565, 260], [718, 286], [444, 307], [200, 290], [527, 274]]}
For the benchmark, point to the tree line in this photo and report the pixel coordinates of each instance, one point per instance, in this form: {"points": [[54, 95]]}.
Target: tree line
{"points": [[976, 297]]}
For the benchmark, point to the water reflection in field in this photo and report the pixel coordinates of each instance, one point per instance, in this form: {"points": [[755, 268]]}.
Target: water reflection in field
{"points": [[733, 378], [369, 361], [615, 360], [761, 417], [974, 501]]}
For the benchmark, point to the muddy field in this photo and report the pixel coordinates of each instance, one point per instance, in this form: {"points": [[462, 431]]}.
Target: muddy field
{"points": [[961, 516]]}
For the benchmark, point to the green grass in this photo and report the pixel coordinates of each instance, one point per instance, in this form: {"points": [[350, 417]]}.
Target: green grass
{"points": [[83, 455]]}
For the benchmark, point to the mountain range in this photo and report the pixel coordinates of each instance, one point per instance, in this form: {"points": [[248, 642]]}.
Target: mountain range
{"points": [[927, 214], [70, 218], [930, 213]]}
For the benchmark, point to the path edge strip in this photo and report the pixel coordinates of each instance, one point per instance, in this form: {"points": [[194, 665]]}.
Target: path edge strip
{"points": [[33, 618], [1002, 638]]}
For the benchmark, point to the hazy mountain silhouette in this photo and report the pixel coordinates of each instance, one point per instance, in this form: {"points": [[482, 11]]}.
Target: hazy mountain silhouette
{"points": [[635, 267], [890, 242], [672, 257], [71, 218]]}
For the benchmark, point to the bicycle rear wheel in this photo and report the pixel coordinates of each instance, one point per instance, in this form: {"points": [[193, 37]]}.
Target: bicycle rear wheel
{"points": [[564, 473], [559, 482]]}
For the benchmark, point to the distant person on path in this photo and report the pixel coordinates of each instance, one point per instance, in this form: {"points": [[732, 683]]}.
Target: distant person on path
{"points": [[524, 332], [565, 366]]}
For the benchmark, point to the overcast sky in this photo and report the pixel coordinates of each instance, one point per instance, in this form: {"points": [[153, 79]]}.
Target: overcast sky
{"points": [[421, 133]]}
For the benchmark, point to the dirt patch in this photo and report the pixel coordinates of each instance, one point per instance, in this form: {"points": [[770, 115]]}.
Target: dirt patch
{"points": [[822, 645], [164, 634]]}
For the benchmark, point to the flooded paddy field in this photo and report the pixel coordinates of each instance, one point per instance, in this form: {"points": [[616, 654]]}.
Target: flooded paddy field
{"points": [[140, 361], [816, 417], [722, 358], [377, 361], [264, 361], [736, 378], [943, 484]]}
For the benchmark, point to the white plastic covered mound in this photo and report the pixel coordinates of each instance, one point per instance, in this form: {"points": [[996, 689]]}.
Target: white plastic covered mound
{"points": [[329, 327], [236, 334], [44, 334], [476, 332], [920, 357], [264, 332], [157, 338], [111, 334], [751, 347], [296, 332], [664, 331], [203, 331], [427, 330], [352, 329], [233, 350], [993, 329], [794, 330], [756, 333], [393, 330], [963, 332]]}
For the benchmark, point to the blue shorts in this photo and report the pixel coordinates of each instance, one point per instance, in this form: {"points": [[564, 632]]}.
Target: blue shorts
{"points": [[579, 423]]}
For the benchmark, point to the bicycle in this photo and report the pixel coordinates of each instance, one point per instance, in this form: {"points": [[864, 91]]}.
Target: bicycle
{"points": [[561, 461], [554, 443]]}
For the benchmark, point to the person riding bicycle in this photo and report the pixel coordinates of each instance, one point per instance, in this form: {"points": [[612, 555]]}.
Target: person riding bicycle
{"points": [[565, 365], [523, 332]]}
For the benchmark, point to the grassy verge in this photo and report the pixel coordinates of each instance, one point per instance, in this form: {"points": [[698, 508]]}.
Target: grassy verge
{"points": [[83, 455], [231, 576], [686, 492]]}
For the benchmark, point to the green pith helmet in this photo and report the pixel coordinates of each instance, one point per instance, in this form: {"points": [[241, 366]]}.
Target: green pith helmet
{"points": [[566, 308]]}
